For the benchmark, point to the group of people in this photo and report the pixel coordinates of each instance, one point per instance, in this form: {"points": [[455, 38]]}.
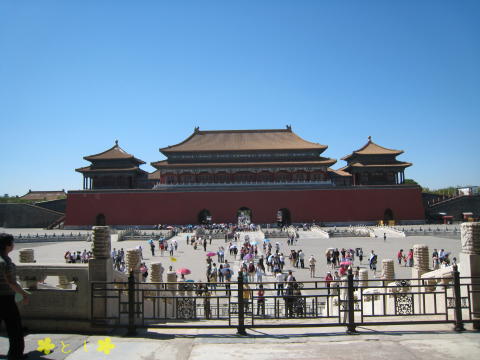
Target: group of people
{"points": [[72, 257], [407, 258], [335, 256]]}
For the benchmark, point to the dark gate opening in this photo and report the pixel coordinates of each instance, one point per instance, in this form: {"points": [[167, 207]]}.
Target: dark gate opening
{"points": [[388, 215], [284, 217], [204, 217], [100, 220]]}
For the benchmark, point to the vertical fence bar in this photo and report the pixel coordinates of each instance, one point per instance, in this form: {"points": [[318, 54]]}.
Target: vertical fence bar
{"points": [[351, 303], [458, 300], [241, 313], [131, 305]]}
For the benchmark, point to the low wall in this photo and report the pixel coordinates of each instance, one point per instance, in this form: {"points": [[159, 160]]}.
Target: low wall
{"points": [[327, 205]]}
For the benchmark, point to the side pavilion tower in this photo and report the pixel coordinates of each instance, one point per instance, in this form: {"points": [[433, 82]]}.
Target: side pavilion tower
{"points": [[373, 164], [113, 169]]}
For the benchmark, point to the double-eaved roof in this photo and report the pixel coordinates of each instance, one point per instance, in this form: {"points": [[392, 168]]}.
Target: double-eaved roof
{"points": [[370, 148], [366, 156], [115, 155], [243, 140]]}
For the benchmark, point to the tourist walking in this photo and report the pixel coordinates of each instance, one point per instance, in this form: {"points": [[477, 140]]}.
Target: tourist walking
{"points": [[301, 256], [312, 262], [9, 288], [261, 301], [400, 257], [328, 281]]}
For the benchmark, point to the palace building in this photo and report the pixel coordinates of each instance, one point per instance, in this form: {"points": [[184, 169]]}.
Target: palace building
{"points": [[264, 175]]}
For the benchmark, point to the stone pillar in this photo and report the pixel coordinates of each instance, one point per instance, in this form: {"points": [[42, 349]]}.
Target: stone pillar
{"points": [[363, 277], [100, 269], [421, 260], [156, 272], [101, 242], [388, 271], [63, 282], [133, 261], [26, 256], [469, 264], [171, 278]]}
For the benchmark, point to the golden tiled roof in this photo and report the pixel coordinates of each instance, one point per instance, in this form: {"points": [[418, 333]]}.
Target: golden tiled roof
{"points": [[114, 153], [238, 140], [371, 148]]}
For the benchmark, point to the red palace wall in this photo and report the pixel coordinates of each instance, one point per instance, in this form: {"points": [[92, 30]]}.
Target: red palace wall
{"points": [[349, 204]]}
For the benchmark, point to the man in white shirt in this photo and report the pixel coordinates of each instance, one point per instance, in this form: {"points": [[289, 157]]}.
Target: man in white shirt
{"points": [[280, 278], [301, 256]]}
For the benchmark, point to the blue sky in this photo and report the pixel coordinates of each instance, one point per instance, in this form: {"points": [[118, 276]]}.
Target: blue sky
{"points": [[76, 75]]}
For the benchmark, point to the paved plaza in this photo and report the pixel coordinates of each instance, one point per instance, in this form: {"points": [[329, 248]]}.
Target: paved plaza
{"points": [[437, 341], [388, 342], [309, 242]]}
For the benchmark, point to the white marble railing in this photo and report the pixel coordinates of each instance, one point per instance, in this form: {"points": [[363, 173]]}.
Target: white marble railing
{"points": [[69, 300]]}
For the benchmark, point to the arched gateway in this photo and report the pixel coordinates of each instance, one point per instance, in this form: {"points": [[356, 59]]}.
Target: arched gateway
{"points": [[204, 217], [284, 217], [244, 216]]}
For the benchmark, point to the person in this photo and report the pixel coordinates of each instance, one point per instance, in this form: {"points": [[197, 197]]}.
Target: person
{"points": [[152, 247], [9, 288], [144, 271], [206, 303], [372, 260], [328, 281], [435, 260], [312, 262], [384, 237], [246, 296], [360, 255], [259, 272], [280, 277], [213, 276], [410, 258], [400, 256], [261, 301]]}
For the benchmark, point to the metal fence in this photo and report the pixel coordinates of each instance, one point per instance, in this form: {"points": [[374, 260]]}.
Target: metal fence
{"points": [[348, 303]]}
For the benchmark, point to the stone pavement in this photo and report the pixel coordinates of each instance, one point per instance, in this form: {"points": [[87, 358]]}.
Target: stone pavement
{"points": [[187, 257], [388, 342]]}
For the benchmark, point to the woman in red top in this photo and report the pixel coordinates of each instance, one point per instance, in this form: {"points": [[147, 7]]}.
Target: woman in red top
{"points": [[328, 280], [400, 257], [261, 300]]}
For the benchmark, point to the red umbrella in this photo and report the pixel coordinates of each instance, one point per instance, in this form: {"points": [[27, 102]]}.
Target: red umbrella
{"points": [[346, 263], [211, 253], [183, 271]]}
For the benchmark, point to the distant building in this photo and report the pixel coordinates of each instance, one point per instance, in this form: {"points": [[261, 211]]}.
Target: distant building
{"points": [[44, 195], [114, 169], [373, 164], [265, 175], [468, 190]]}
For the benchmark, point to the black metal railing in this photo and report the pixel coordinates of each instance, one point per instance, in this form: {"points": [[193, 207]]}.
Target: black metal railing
{"points": [[243, 305]]}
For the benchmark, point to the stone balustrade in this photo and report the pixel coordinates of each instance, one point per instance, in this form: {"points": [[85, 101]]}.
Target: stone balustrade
{"points": [[53, 308]]}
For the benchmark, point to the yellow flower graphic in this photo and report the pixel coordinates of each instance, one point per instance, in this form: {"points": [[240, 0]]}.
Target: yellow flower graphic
{"points": [[173, 259], [45, 345], [105, 345]]}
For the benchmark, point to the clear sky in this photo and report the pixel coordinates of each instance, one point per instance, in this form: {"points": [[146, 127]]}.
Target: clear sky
{"points": [[76, 75]]}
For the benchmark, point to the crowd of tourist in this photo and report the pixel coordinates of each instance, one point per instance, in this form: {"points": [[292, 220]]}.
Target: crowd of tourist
{"points": [[81, 257]]}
